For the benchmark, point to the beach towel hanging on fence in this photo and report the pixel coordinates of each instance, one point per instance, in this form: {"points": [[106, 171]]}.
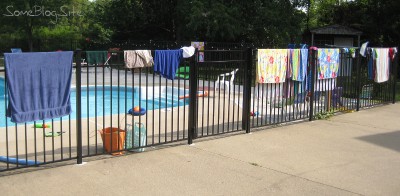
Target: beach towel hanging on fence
{"points": [[272, 65], [138, 58], [96, 57], [39, 85], [328, 63], [382, 63], [166, 62], [298, 60]]}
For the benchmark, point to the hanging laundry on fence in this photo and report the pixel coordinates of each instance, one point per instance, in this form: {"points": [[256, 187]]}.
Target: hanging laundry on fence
{"points": [[371, 64], [188, 51], [96, 57], [298, 61], [166, 62], [392, 53], [272, 65], [39, 85], [382, 63], [328, 63], [138, 58]]}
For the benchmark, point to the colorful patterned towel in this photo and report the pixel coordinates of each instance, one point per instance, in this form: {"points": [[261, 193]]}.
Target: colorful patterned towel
{"points": [[272, 65], [328, 63]]}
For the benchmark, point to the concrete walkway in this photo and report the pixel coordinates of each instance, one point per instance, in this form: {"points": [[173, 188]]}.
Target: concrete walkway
{"points": [[351, 154]]}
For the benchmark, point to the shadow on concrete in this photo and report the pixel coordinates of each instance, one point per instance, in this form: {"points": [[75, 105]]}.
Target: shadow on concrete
{"points": [[386, 140]]}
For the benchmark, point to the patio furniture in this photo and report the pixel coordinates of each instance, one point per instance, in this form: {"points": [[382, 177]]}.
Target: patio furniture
{"points": [[224, 82]]}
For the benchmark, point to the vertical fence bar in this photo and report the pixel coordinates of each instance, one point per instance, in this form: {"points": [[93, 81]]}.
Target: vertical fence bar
{"points": [[358, 80], [78, 107], [395, 64], [312, 81], [192, 99], [247, 90]]}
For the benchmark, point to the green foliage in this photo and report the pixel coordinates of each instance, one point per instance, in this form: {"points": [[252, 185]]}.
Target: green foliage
{"points": [[378, 19], [325, 115], [270, 22]]}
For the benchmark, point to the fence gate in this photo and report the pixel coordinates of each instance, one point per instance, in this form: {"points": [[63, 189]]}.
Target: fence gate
{"points": [[217, 83]]}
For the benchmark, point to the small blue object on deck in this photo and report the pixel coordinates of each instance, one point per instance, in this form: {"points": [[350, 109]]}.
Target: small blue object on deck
{"points": [[19, 161]]}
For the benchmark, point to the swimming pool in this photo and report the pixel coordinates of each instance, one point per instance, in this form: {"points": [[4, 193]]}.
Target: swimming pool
{"points": [[103, 101]]}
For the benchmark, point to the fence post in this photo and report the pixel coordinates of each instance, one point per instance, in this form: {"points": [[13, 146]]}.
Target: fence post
{"points": [[78, 107], [192, 124], [395, 65], [313, 80], [248, 68], [358, 80]]}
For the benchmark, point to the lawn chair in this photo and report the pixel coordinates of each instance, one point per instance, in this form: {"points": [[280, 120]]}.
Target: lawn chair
{"points": [[225, 83]]}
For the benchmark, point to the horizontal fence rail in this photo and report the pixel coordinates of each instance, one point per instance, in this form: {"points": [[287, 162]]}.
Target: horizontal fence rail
{"points": [[119, 109]]}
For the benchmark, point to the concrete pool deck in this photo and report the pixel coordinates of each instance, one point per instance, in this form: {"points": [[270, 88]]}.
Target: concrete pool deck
{"points": [[350, 154]]}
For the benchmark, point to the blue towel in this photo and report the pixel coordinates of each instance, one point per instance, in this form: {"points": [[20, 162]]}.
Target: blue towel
{"points": [[166, 62], [371, 68], [16, 50], [38, 84], [303, 64]]}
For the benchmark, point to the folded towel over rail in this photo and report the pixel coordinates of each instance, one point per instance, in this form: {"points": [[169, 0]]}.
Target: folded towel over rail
{"points": [[38, 84], [166, 62]]}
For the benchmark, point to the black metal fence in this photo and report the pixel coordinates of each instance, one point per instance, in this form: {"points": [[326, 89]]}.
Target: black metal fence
{"points": [[212, 96]]}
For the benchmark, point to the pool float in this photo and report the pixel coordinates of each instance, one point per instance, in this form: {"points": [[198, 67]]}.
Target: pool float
{"points": [[19, 161], [42, 125], [137, 111]]}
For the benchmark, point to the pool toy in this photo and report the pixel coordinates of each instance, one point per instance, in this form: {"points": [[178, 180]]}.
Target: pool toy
{"points": [[137, 111], [42, 125], [19, 161]]}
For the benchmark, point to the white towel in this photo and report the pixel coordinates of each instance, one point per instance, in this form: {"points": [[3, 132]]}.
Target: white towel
{"points": [[363, 49], [382, 65], [188, 51]]}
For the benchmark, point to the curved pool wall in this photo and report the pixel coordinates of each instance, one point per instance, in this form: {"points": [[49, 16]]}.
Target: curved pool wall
{"points": [[103, 101]]}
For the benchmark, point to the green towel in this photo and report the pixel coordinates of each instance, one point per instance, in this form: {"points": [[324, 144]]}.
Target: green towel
{"points": [[96, 57]]}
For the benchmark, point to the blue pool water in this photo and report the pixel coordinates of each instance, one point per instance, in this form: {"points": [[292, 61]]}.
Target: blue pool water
{"points": [[111, 100]]}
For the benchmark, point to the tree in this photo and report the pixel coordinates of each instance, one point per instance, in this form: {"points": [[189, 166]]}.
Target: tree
{"points": [[26, 16]]}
